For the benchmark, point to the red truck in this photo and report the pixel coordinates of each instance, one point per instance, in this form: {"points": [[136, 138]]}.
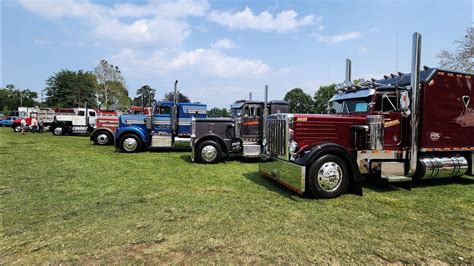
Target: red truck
{"points": [[107, 123], [401, 128]]}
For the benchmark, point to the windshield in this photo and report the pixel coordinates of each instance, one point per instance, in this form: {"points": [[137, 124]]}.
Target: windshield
{"points": [[235, 112], [347, 106]]}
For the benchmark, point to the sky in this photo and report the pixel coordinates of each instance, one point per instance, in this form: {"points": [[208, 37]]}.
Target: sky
{"points": [[222, 50]]}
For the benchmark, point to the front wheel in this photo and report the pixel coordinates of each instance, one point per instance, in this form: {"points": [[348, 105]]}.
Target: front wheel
{"points": [[58, 131], [130, 143], [209, 151], [328, 177], [16, 128], [102, 138]]}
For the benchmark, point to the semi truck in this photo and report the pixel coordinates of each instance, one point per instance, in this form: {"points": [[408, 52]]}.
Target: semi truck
{"points": [[81, 121], [400, 128], [213, 139], [108, 122], [168, 126]]}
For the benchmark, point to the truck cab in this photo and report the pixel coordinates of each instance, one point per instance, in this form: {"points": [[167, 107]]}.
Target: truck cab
{"points": [[241, 134], [168, 126], [397, 129], [81, 121]]}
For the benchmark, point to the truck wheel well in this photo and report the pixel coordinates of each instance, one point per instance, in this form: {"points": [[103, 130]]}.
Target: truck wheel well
{"points": [[216, 139]]}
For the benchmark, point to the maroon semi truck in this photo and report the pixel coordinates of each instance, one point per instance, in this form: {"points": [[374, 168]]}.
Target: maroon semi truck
{"points": [[401, 128]]}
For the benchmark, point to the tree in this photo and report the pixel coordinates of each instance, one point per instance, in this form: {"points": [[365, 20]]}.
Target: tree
{"points": [[462, 58], [11, 98], [71, 88], [181, 97], [118, 96], [111, 84], [322, 96], [300, 102], [145, 94], [216, 112]]}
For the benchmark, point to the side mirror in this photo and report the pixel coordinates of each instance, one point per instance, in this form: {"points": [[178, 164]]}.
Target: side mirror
{"points": [[405, 103]]}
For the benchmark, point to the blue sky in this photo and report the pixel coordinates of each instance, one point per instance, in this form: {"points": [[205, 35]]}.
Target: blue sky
{"points": [[222, 50]]}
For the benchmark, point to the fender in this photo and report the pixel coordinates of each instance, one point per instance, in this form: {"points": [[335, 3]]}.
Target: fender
{"points": [[311, 154], [131, 129], [226, 143]]}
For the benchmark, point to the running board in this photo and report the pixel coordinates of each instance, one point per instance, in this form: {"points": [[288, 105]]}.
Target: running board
{"points": [[404, 182]]}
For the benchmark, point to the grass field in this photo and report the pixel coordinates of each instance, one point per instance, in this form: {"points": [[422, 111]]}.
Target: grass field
{"points": [[66, 201]]}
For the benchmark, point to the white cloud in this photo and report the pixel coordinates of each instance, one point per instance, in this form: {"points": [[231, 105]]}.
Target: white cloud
{"points": [[282, 22], [224, 43], [338, 38], [206, 61], [160, 22]]}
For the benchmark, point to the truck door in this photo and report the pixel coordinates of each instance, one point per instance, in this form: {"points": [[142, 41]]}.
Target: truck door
{"points": [[387, 104], [92, 118], [250, 121], [80, 118], [162, 120]]}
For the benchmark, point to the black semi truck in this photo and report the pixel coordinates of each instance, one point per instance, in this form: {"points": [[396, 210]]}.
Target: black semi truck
{"points": [[213, 139]]}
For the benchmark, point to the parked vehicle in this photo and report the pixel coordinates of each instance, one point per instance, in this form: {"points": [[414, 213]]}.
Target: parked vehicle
{"points": [[44, 115], [107, 123], [82, 121], [212, 139], [8, 121], [400, 128], [169, 126]]}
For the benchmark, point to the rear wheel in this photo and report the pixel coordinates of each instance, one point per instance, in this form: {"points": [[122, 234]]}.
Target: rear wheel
{"points": [[58, 130], [102, 138], [130, 143], [209, 151], [328, 177]]}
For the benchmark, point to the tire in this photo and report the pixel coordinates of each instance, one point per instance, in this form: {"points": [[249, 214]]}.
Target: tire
{"points": [[209, 152], [16, 128], [130, 143], [102, 138], [328, 177], [58, 130]]}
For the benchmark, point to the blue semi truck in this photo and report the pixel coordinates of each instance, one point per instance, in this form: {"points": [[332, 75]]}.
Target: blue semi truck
{"points": [[168, 126]]}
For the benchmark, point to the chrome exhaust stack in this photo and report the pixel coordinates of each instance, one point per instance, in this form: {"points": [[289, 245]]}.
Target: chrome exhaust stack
{"points": [[348, 70], [175, 107], [415, 99]]}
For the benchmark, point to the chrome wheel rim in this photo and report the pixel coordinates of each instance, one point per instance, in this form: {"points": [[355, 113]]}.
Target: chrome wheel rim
{"points": [[102, 139], [130, 144], [209, 153], [58, 131], [18, 128], [329, 176]]}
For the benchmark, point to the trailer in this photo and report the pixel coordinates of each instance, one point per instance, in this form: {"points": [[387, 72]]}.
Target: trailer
{"points": [[213, 139], [168, 126], [397, 129]]}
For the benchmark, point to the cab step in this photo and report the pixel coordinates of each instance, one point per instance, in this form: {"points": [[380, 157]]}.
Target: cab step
{"points": [[404, 182]]}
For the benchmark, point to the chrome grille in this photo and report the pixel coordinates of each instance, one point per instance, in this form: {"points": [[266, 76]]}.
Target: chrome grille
{"points": [[277, 136]]}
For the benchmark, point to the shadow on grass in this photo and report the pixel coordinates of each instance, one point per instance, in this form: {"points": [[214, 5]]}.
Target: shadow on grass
{"points": [[272, 185], [465, 181], [187, 159]]}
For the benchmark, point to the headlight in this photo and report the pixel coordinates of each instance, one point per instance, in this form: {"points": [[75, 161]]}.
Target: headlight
{"points": [[293, 148]]}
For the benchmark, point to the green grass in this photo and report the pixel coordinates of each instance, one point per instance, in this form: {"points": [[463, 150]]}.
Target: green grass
{"points": [[64, 200]]}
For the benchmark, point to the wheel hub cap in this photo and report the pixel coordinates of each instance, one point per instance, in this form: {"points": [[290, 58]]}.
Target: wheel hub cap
{"points": [[329, 176], [58, 131], [130, 144], [209, 153], [102, 138]]}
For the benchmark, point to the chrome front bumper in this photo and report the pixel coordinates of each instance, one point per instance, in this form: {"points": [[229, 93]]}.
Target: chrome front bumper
{"points": [[288, 174]]}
